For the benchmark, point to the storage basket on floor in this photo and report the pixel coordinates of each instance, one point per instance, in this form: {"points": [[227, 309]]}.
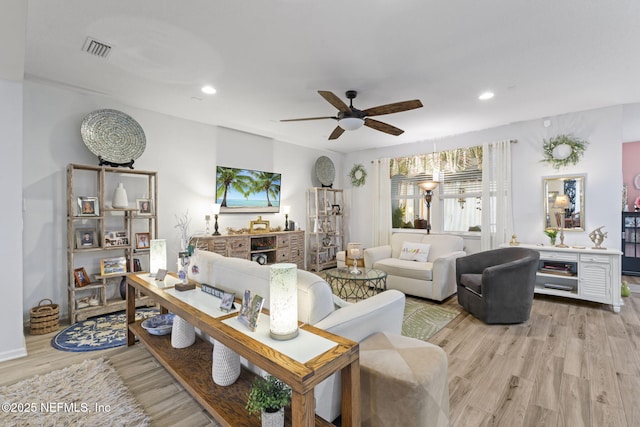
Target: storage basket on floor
{"points": [[44, 318]]}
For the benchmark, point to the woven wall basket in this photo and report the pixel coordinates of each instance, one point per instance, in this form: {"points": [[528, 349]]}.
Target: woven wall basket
{"points": [[44, 318]]}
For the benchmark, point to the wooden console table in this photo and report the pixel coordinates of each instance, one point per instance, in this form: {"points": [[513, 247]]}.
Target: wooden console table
{"points": [[192, 366]]}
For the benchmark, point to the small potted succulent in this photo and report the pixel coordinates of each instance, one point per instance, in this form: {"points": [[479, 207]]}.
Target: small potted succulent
{"points": [[268, 397]]}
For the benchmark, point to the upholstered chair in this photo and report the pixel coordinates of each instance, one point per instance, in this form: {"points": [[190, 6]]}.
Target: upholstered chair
{"points": [[496, 286]]}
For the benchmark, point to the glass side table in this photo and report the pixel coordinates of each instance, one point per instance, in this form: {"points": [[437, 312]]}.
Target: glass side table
{"points": [[357, 286]]}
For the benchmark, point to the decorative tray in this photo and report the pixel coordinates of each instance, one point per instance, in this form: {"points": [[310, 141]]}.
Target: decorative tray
{"points": [[159, 325], [113, 136]]}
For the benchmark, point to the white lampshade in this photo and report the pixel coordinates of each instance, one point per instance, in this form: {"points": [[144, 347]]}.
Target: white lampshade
{"points": [[283, 301], [286, 210], [120, 200], [157, 255], [429, 185], [350, 123], [561, 201], [215, 208]]}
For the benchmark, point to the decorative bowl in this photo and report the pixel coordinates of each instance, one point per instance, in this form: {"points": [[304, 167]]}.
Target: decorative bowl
{"points": [[159, 325]]}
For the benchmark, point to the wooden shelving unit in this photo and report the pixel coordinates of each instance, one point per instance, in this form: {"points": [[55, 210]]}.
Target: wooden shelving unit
{"points": [[98, 183], [325, 227]]}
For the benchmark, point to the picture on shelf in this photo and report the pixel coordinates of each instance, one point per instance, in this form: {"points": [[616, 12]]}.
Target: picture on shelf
{"points": [[86, 238], [145, 206], [631, 221], [143, 240], [81, 276], [116, 265], [227, 302], [88, 206], [335, 209], [116, 238], [250, 312]]}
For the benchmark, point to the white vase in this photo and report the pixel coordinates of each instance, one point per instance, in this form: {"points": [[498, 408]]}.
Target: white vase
{"points": [[183, 334], [273, 419], [225, 368], [120, 200]]}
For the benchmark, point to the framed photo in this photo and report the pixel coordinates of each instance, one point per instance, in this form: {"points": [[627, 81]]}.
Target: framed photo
{"points": [[116, 265], [88, 206], [145, 206], [82, 278], [630, 221], [335, 209], [250, 312], [227, 302], [86, 238], [143, 240], [116, 238]]}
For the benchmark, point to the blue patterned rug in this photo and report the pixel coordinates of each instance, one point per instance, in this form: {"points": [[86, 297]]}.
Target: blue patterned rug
{"points": [[98, 333]]}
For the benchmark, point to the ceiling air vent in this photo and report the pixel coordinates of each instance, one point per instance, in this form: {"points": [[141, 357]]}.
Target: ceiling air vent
{"points": [[96, 48]]}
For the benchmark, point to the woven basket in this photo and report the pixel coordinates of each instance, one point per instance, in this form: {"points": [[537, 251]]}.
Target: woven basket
{"points": [[44, 318]]}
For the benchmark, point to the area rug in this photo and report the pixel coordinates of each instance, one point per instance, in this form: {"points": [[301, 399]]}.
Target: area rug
{"points": [[423, 319], [90, 393], [98, 333]]}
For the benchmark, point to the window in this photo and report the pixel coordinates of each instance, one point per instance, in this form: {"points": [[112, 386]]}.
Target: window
{"points": [[457, 202]]}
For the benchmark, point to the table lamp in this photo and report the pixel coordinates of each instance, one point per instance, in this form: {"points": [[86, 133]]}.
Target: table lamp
{"points": [[215, 208], [561, 202], [283, 301], [286, 210]]}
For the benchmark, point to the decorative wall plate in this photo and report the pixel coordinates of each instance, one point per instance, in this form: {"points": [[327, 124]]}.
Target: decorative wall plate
{"points": [[113, 136], [325, 171]]}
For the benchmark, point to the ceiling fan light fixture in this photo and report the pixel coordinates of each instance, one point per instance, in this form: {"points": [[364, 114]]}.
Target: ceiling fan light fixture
{"points": [[350, 123]]}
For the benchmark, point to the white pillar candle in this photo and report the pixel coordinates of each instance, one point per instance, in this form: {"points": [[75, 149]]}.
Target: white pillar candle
{"points": [[283, 301]]}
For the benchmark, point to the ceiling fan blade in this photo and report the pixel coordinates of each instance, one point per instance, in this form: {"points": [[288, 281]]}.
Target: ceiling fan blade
{"points": [[336, 133], [382, 127], [309, 118], [335, 101], [396, 107]]}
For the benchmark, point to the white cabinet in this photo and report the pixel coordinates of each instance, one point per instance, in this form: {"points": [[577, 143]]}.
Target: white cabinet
{"points": [[586, 274], [325, 227]]}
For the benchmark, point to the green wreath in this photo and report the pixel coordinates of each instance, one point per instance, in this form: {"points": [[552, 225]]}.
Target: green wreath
{"points": [[357, 175], [578, 146]]}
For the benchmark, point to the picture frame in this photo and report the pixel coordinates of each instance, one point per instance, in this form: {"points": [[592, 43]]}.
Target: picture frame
{"points": [[81, 276], [145, 207], [114, 238], [335, 209], [86, 238], [251, 308], [88, 206], [227, 302], [630, 222], [143, 240], [113, 266]]}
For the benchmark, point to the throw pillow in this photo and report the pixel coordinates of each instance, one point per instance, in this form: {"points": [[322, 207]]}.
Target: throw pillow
{"points": [[415, 251]]}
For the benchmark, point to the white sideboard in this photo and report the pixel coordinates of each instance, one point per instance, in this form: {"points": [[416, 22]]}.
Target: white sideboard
{"points": [[586, 274]]}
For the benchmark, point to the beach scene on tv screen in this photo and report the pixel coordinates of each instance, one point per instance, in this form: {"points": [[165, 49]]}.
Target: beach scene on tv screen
{"points": [[246, 190]]}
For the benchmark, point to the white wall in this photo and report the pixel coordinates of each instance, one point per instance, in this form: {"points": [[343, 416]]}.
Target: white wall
{"points": [[184, 153], [602, 128], [12, 342]]}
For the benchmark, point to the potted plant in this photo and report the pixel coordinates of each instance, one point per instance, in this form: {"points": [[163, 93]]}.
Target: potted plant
{"points": [[268, 397]]}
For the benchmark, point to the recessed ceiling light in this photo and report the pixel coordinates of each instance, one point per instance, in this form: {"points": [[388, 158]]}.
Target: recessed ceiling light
{"points": [[485, 96], [209, 90]]}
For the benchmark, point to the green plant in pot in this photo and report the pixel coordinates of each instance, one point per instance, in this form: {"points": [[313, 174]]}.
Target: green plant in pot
{"points": [[551, 233], [268, 397]]}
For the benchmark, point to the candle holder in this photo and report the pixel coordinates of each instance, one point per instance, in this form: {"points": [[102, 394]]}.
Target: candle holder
{"points": [[355, 252]]}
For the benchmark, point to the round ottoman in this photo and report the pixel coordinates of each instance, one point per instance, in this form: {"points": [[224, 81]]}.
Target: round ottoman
{"points": [[403, 382]]}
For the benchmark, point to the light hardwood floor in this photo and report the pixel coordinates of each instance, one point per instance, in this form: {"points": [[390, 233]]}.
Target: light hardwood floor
{"points": [[572, 364]]}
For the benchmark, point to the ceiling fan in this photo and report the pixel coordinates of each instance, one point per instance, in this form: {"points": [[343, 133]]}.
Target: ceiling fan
{"points": [[350, 118]]}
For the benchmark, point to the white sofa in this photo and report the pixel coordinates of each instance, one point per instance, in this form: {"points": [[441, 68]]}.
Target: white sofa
{"points": [[434, 279], [317, 306]]}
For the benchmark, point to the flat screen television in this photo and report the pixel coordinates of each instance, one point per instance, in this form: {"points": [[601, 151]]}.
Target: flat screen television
{"points": [[247, 191]]}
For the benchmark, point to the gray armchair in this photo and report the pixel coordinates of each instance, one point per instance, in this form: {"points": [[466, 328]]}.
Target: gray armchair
{"points": [[496, 286]]}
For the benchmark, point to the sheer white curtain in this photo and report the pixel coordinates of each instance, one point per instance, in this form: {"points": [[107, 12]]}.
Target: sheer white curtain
{"points": [[381, 202], [497, 213]]}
